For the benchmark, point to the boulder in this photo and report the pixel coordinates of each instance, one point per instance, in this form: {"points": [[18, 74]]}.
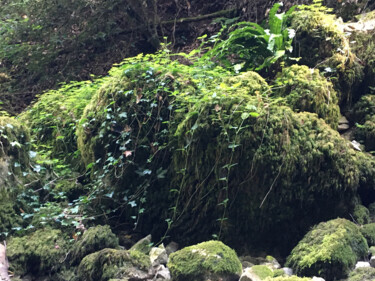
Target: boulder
{"points": [[143, 245], [330, 250], [158, 255], [368, 231], [208, 260], [362, 274]]}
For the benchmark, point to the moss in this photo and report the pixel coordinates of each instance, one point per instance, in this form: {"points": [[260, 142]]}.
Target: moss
{"points": [[41, 251], [9, 215], [144, 245], [362, 274], [262, 271], [54, 117], [368, 231], [361, 214], [371, 209], [110, 263], [366, 133], [93, 240], [319, 36], [306, 90], [329, 250], [364, 108], [288, 278], [278, 272], [208, 259]]}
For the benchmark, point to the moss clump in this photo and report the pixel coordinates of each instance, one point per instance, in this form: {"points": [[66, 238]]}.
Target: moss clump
{"points": [[306, 90], [371, 209], [368, 231], [364, 108], [366, 133], [329, 250], [54, 117], [9, 215], [205, 260], [362, 274], [94, 239], [262, 271], [41, 251], [361, 214], [111, 263], [288, 278], [319, 36]]}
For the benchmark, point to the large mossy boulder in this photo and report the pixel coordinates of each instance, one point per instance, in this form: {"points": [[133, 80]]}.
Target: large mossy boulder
{"points": [[94, 239], [306, 90], [113, 264], [329, 250], [208, 260], [41, 252]]}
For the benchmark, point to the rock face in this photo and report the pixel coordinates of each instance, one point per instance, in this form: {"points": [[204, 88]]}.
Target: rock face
{"points": [[330, 250], [208, 260]]}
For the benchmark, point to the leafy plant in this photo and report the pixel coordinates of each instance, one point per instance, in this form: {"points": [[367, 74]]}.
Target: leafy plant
{"points": [[251, 47]]}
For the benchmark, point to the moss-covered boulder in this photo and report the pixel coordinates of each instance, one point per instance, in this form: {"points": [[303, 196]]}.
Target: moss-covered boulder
{"points": [[53, 119], [361, 215], [306, 90], [208, 260], [113, 264], [319, 36], [364, 109], [40, 252], [362, 274], [288, 278], [329, 250], [368, 231], [94, 239], [10, 217]]}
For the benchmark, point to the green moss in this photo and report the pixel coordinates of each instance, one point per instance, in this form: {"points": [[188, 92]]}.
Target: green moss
{"points": [[110, 263], [278, 272], [319, 36], [9, 215], [41, 251], [366, 133], [371, 209], [262, 271], [364, 108], [54, 117], [306, 90], [361, 214], [368, 231], [93, 240], [362, 274], [207, 259], [329, 250], [288, 278]]}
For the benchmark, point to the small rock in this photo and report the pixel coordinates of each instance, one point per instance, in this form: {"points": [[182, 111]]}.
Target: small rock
{"points": [[372, 261], [318, 279], [343, 127], [171, 248], [362, 264], [248, 275], [162, 273], [143, 245], [356, 145], [343, 120], [158, 255], [288, 271]]}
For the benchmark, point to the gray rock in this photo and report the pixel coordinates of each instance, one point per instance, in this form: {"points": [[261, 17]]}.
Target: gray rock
{"points": [[162, 273], [171, 248], [288, 271], [318, 279], [356, 145], [143, 245], [343, 120], [248, 275], [372, 261], [343, 127], [158, 255], [362, 264]]}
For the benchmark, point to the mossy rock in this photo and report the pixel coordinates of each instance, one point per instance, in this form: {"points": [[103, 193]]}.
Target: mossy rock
{"points": [[53, 118], [347, 9], [10, 217], [112, 264], [208, 260], [39, 252], [318, 36], [362, 274], [94, 239], [329, 250], [262, 271], [288, 278], [366, 133], [371, 209], [306, 90], [368, 231], [361, 215], [364, 109]]}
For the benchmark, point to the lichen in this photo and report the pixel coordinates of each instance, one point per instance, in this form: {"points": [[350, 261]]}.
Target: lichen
{"points": [[41, 251], [205, 260], [329, 250], [94, 239], [306, 90], [110, 263]]}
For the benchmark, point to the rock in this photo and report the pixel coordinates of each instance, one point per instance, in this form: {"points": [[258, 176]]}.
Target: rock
{"points": [[143, 245], [362, 264], [372, 261], [248, 275], [256, 273], [317, 279], [162, 273], [362, 274], [330, 250], [343, 127], [343, 120], [158, 255], [208, 260], [356, 145], [272, 263], [171, 247], [94, 239], [288, 271]]}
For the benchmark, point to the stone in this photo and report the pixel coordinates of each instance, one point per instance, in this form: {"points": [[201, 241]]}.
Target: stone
{"points": [[158, 255], [343, 127], [372, 261], [143, 245], [171, 247], [356, 145], [362, 264], [249, 275], [343, 120], [318, 279], [162, 273], [288, 271]]}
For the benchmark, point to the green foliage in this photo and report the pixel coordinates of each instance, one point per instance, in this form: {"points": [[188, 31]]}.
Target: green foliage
{"points": [[368, 231], [306, 90], [361, 215], [205, 260], [362, 274], [251, 47], [329, 250], [41, 251]]}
